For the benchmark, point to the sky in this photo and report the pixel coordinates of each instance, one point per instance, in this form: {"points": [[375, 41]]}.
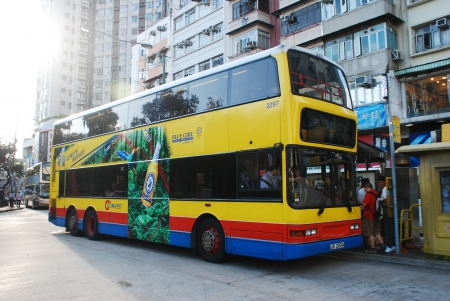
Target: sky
{"points": [[25, 41]]}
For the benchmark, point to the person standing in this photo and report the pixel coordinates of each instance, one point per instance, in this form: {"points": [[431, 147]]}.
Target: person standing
{"points": [[388, 223], [361, 193], [18, 199], [371, 226], [11, 199]]}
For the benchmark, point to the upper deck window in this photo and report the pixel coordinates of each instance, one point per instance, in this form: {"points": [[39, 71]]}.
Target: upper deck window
{"points": [[315, 77]]}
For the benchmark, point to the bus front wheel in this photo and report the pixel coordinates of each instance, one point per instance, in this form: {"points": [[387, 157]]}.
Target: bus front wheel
{"points": [[72, 222], [210, 240], [91, 225]]}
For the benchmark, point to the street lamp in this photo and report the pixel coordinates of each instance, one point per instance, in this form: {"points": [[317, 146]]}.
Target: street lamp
{"points": [[144, 45]]}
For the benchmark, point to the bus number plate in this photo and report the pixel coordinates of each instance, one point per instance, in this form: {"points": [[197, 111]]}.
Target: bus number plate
{"points": [[336, 246]]}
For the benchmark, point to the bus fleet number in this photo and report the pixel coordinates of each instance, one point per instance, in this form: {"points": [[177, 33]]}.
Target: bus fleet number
{"points": [[271, 104]]}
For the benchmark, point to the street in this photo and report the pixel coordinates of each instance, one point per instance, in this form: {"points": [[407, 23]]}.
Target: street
{"points": [[40, 261]]}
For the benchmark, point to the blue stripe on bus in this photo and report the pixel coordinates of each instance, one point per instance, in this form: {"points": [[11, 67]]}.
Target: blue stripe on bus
{"points": [[294, 251], [254, 248], [181, 239], [113, 229], [58, 221]]}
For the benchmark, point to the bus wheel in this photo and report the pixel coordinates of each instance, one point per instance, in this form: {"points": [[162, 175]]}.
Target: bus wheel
{"points": [[91, 225], [72, 223], [211, 240]]}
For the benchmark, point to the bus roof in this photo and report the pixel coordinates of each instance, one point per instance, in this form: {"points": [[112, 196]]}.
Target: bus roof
{"points": [[224, 67]]}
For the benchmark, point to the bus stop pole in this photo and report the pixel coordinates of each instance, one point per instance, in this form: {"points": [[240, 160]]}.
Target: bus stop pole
{"points": [[385, 86], [394, 182]]}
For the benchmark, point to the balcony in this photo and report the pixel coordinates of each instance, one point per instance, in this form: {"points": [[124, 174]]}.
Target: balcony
{"points": [[249, 19], [376, 10]]}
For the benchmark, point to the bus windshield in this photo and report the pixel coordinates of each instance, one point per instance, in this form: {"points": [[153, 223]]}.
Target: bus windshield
{"points": [[319, 178], [315, 77], [45, 171], [44, 191]]}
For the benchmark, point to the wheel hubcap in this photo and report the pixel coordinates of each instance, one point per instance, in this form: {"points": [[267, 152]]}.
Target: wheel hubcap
{"points": [[73, 222], [210, 240]]}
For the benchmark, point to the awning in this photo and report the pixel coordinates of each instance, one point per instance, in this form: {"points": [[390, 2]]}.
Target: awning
{"points": [[422, 68], [368, 153]]}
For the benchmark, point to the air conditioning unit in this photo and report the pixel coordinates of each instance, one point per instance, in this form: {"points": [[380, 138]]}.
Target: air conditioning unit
{"points": [[214, 28], [396, 55], [327, 1], [442, 23], [180, 45], [205, 31], [289, 19], [148, 86], [251, 45], [161, 28], [152, 33], [149, 59], [205, 2], [365, 81], [187, 43]]}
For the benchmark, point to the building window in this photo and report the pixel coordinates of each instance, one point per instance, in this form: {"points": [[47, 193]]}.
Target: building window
{"points": [[204, 66], [243, 43], [123, 8], [134, 19], [123, 45], [100, 23], [178, 75], [217, 3], [98, 96], [431, 36], [378, 37], [149, 4], [189, 17], [178, 22], [157, 16], [428, 95], [149, 17], [122, 57], [363, 95], [333, 8], [243, 7], [123, 20], [217, 32], [218, 60], [164, 33], [98, 84], [189, 71], [302, 18], [191, 44], [134, 6]]}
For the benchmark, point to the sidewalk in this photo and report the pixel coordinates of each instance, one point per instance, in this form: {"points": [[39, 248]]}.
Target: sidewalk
{"points": [[7, 208], [414, 257]]}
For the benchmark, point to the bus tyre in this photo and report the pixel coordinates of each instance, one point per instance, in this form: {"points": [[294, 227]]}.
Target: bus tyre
{"points": [[72, 222], [210, 240], [91, 225]]}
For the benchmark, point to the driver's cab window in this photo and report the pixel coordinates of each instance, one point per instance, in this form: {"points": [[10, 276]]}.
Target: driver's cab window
{"points": [[259, 174]]}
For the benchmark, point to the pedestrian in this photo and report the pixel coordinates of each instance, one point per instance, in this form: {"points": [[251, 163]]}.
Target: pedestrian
{"points": [[387, 222], [11, 199], [371, 226], [18, 199], [361, 193]]}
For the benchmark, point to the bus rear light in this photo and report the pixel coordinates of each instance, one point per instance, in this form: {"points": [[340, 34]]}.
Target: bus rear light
{"points": [[354, 226], [301, 233]]}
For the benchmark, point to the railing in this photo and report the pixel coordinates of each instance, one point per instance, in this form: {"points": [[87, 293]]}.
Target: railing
{"points": [[406, 227]]}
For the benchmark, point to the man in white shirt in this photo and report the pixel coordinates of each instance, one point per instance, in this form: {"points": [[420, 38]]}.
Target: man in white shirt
{"points": [[270, 178]]}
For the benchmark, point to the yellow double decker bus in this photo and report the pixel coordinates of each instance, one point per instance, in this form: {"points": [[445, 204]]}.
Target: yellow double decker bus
{"points": [[255, 158]]}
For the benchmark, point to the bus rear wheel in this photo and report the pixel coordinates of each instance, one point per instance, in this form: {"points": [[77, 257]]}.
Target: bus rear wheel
{"points": [[72, 222], [210, 241], [91, 225]]}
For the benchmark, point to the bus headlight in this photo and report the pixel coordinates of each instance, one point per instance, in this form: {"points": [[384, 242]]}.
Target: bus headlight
{"points": [[306, 232], [354, 226]]}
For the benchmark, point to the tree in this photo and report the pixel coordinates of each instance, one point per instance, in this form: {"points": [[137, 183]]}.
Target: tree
{"points": [[7, 162]]}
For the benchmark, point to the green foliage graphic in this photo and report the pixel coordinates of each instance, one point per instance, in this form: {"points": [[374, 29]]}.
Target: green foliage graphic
{"points": [[150, 224]]}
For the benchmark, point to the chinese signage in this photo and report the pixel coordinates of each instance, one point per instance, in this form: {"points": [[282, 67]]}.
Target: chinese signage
{"points": [[371, 117]]}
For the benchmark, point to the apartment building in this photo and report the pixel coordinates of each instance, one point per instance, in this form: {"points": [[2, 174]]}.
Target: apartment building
{"points": [[424, 71], [92, 65]]}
